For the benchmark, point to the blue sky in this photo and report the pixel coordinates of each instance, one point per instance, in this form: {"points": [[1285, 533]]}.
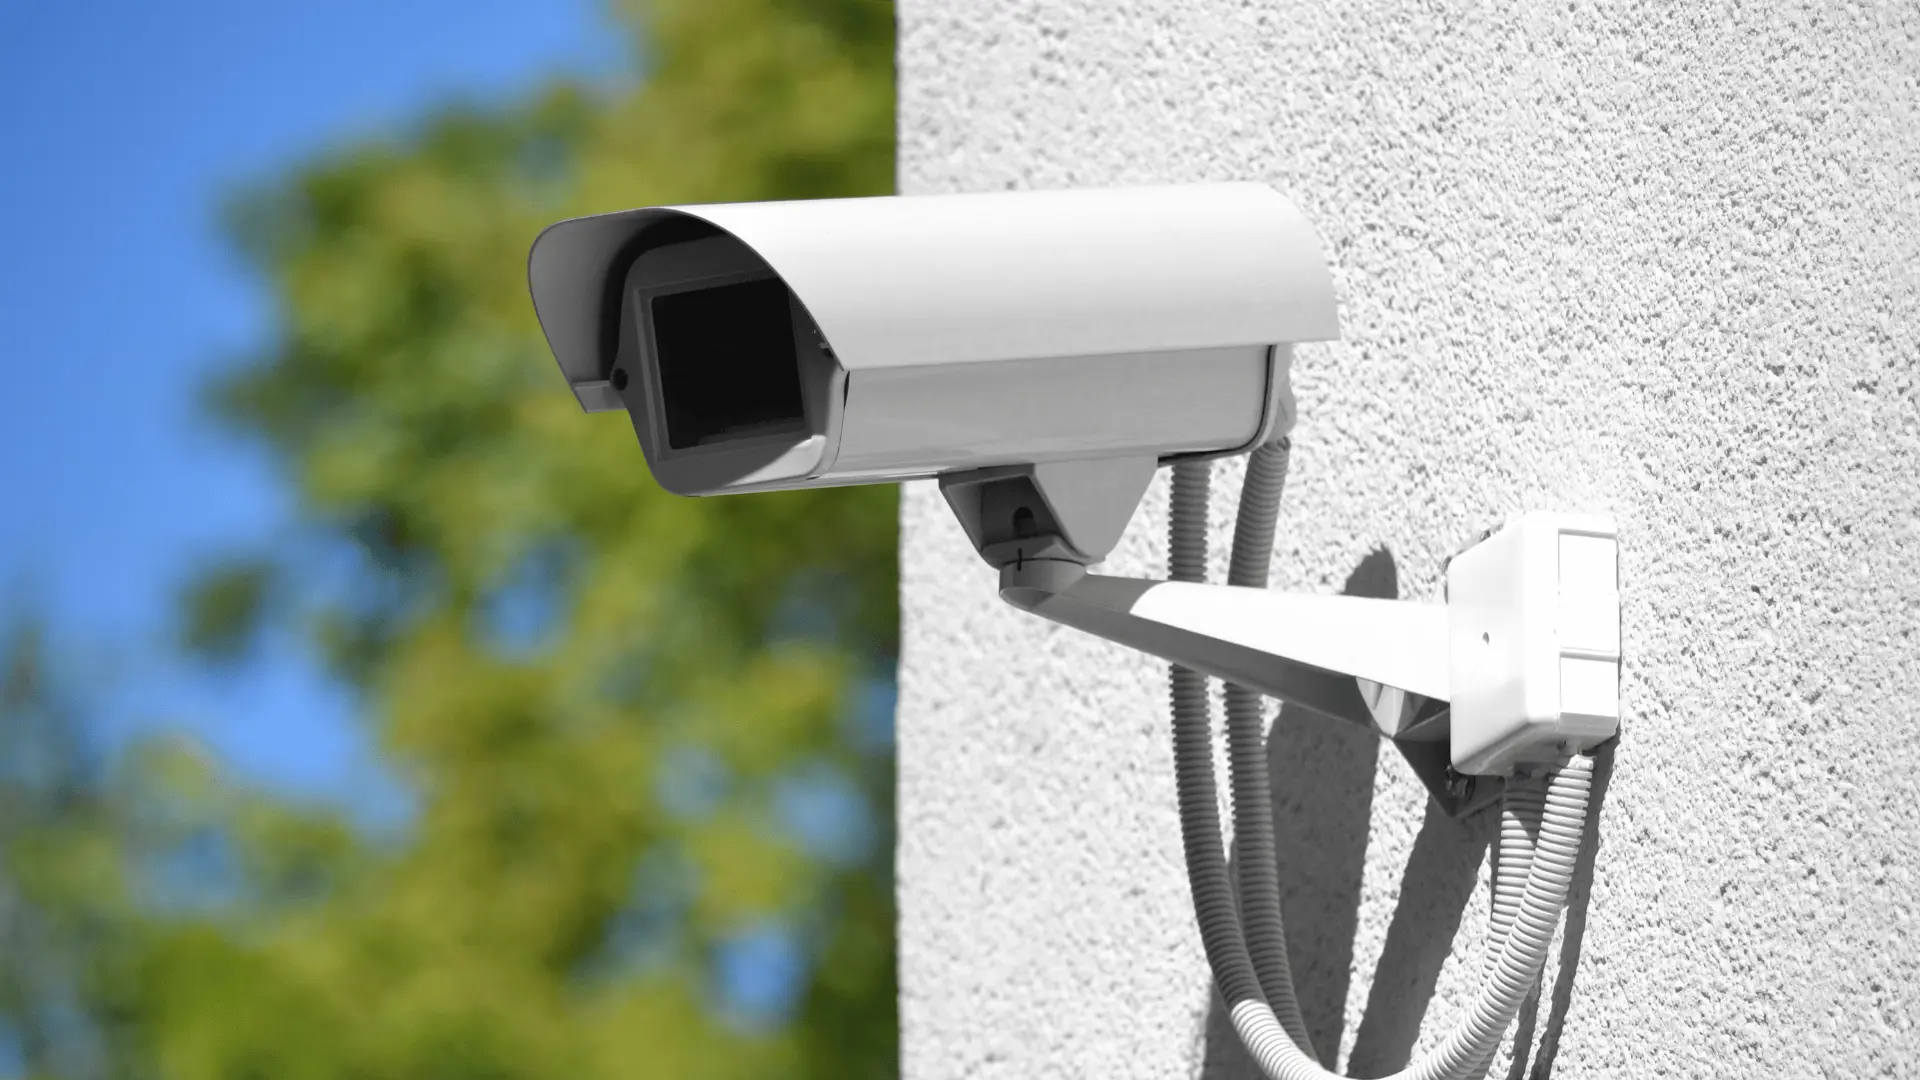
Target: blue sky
{"points": [[124, 125]]}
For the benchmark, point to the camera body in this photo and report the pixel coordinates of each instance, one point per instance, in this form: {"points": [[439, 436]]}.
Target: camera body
{"points": [[1041, 354], [761, 346]]}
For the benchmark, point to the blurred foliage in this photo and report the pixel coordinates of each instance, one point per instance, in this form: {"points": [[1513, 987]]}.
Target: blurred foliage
{"points": [[223, 606], [648, 737]]}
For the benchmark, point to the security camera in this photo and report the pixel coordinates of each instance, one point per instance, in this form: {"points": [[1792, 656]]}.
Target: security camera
{"points": [[1041, 354], [760, 346]]}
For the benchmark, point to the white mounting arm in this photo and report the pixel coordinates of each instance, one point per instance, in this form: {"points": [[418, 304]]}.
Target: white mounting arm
{"points": [[1305, 650], [1527, 650]]}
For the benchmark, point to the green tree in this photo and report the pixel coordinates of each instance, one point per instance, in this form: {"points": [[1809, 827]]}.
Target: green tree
{"points": [[640, 729]]}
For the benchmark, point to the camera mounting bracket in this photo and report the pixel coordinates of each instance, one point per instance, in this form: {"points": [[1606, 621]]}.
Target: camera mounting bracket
{"points": [[1066, 510], [1520, 666]]}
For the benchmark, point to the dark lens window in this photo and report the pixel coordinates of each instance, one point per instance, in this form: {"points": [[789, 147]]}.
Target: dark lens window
{"points": [[727, 366]]}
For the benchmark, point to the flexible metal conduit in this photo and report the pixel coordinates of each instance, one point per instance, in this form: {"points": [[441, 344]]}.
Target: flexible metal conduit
{"points": [[1259, 877], [1521, 808], [1539, 839]]}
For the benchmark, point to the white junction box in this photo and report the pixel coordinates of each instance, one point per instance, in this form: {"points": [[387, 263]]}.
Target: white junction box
{"points": [[1534, 640]]}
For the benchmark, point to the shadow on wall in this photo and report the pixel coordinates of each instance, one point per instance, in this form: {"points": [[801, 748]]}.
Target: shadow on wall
{"points": [[1321, 775]]}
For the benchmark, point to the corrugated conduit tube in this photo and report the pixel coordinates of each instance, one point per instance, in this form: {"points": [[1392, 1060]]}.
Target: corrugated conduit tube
{"points": [[1245, 942]]}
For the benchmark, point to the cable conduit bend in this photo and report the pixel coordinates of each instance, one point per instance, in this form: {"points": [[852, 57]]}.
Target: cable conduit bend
{"points": [[1520, 811], [1193, 748], [1521, 956], [1521, 945], [1256, 872]]}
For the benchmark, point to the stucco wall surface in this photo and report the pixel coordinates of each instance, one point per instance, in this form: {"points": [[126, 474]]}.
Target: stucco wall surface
{"points": [[1659, 260]]}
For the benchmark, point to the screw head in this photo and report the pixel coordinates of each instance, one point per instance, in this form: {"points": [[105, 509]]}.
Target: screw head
{"points": [[1459, 785]]}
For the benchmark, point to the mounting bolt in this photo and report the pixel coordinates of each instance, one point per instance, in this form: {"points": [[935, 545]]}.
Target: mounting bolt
{"points": [[1459, 785]]}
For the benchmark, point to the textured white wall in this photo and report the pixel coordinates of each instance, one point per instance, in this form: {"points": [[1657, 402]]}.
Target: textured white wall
{"points": [[1641, 258]]}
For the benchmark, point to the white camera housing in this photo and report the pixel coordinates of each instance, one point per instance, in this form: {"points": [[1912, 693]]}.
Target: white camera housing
{"points": [[1041, 353], [761, 346]]}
